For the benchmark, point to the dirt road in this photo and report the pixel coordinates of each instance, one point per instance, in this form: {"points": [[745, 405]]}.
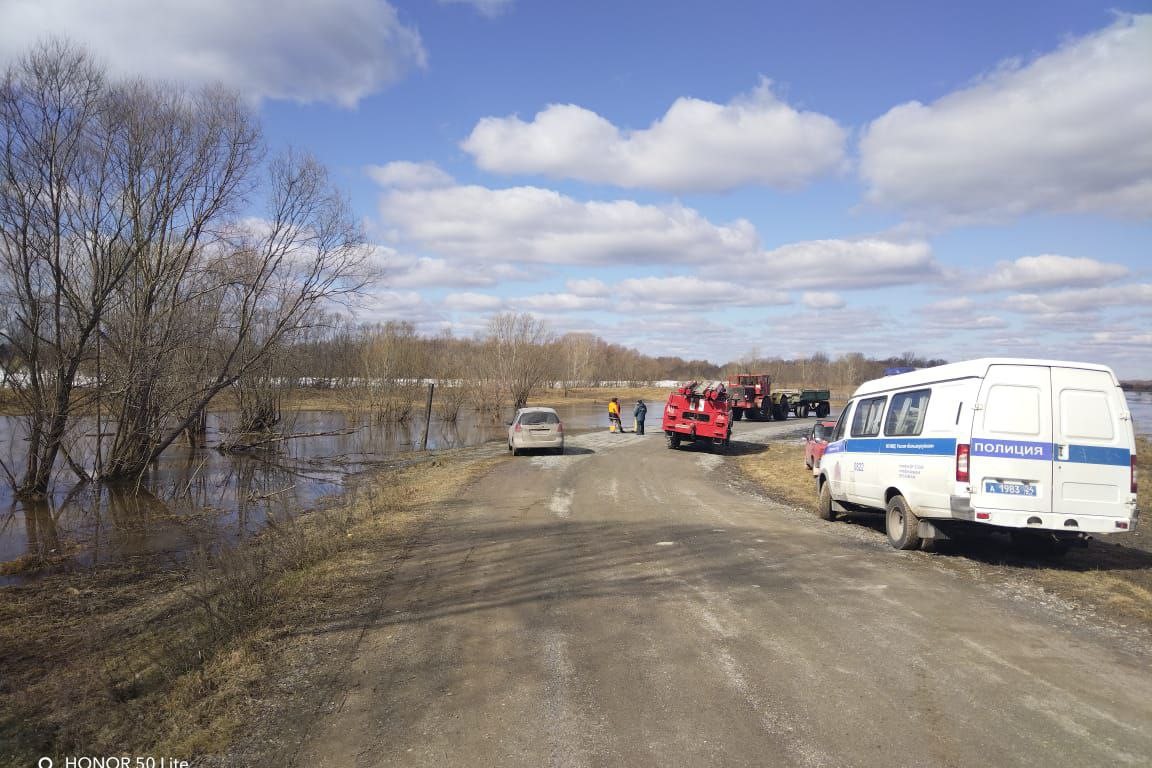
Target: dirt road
{"points": [[628, 605]]}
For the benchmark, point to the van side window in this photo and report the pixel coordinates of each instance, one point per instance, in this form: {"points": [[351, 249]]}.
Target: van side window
{"points": [[869, 414], [906, 413], [841, 424]]}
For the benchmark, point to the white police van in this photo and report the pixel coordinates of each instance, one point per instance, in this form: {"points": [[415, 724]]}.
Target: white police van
{"points": [[1043, 448]]}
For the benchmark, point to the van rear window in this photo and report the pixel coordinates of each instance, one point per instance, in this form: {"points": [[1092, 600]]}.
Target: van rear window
{"points": [[869, 414], [906, 413], [1012, 409], [1085, 413]]}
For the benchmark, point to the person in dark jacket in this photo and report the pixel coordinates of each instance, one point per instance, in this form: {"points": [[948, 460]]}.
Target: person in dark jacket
{"points": [[640, 411]]}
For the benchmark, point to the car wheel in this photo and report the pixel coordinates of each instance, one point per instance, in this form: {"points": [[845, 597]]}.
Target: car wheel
{"points": [[824, 509], [901, 524]]}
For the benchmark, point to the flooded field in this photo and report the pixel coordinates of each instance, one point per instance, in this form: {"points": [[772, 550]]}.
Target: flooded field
{"points": [[200, 499]]}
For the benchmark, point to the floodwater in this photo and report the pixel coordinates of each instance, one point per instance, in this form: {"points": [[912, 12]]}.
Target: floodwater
{"points": [[193, 500]]}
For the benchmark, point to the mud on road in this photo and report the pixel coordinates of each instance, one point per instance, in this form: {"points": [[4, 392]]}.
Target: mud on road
{"points": [[628, 605]]}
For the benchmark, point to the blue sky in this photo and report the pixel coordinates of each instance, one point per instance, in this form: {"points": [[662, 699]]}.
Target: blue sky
{"points": [[708, 179]]}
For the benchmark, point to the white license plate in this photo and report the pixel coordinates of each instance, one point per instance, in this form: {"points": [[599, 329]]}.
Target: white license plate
{"points": [[1010, 489]]}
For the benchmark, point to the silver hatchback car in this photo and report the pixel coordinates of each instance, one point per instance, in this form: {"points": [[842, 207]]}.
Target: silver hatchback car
{"points": [[536, 428]]}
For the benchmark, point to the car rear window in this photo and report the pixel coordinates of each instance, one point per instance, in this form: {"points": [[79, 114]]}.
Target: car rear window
{"points": [[822, 432], [536, 418]]}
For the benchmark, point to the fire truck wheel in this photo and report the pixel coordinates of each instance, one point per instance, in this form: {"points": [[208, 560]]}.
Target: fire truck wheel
{"points": [[737, 414], [902, 524], [824, 509], [673, 440]]}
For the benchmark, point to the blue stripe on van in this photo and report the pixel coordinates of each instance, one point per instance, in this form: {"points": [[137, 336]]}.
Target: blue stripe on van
{"points": [[898, 445], [1094, 454], [1011, 449]]}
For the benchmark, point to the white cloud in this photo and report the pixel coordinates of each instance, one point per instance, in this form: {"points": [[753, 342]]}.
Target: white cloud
{"points": [[560, 302], [696, 146], [1050, 271], [302, 50], [530, 224], [489, 8], [946, 306], [664, 294], [1083, 300], [1068, 131], [473, 302], [849, 264], [407, 175], [822, 300], [587, 287]]}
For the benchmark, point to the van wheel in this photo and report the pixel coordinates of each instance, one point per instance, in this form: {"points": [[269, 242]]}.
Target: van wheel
{"points": [[824, 509], [901, 524]]}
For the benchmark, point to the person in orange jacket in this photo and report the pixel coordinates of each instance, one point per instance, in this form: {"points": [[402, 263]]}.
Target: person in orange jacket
{"points": [[614, 415]]}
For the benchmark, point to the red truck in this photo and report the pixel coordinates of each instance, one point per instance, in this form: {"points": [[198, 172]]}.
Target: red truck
{"points": [[698, 412], [751, 395]]}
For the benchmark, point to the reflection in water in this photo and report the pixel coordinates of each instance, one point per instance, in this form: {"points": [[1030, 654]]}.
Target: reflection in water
{"points": [[195, 499]]}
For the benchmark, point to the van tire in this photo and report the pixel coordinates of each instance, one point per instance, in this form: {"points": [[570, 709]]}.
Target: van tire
{"points": [[824, 509], [901, 524]]}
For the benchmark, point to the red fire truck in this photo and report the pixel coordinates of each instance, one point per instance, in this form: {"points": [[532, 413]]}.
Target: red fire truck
{"points": [[698, 412]]}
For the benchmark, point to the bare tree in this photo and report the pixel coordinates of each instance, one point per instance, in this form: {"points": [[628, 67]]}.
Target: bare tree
{"points": [[519, 360], [123, 263], [63, 239], [257, 287]]}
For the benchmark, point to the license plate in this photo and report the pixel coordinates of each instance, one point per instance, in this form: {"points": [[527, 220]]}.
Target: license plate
{"points": [[1011, 489]]}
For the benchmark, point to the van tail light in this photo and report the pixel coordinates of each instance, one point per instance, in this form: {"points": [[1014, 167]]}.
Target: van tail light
{"points": [[1133, 471], [962, 463], [560, 427], [517, 429]]}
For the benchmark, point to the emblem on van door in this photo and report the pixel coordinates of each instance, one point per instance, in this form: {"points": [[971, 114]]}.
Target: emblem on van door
{"points": [[1012, 449]]}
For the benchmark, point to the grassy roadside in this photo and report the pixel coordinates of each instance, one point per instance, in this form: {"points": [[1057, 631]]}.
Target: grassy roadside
{"points": [[167, 662], [1113, 575]]}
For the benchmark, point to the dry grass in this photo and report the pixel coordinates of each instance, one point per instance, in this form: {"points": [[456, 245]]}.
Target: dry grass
{"points": [[164, 662], [780, 471], [599, 395]]}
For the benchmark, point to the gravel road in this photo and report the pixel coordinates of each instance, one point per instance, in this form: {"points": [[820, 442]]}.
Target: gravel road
{"points": [[629, 605]]}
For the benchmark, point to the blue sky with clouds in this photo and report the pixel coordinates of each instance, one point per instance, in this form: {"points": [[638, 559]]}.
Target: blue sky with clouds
{"points": [[708, 179]]}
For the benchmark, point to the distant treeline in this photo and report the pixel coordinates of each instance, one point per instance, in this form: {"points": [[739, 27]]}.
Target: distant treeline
{"points": [[340, 353]]}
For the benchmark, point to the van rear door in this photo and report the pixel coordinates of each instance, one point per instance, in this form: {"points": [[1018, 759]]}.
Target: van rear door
{"points": [[1010, 456], [1093, 445]]}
